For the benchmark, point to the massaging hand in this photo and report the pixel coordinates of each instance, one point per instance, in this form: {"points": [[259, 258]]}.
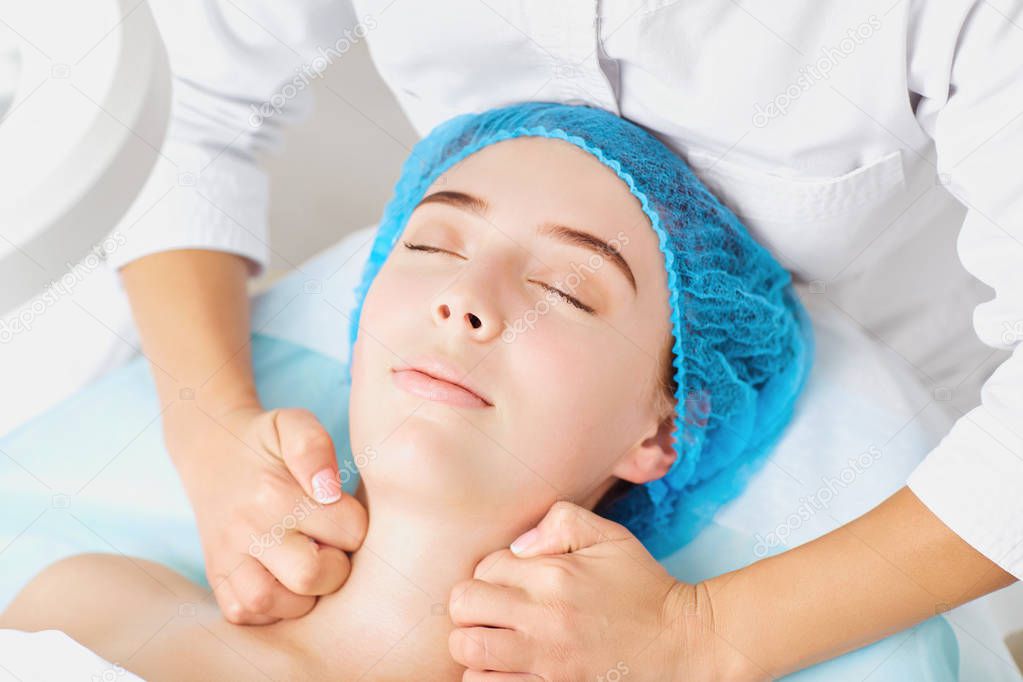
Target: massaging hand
{"points": [[583, 600], [254, 478]]}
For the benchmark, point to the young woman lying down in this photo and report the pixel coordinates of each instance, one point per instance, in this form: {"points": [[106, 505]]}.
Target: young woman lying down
{"points": [[555, 309]]}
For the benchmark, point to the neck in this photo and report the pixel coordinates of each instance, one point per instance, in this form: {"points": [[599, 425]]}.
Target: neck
{"points": [[393, 609]]}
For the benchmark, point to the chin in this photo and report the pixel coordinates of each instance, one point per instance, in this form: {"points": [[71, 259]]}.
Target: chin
{"points": [[428, 457]]}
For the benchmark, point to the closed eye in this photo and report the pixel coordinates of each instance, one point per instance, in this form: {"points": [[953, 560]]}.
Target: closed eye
{"points": [[430, 249], [547, 287], [571, 299]]}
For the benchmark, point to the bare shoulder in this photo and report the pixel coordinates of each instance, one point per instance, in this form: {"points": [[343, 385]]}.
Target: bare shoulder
{"points": [[98, 599], [147, 618]]}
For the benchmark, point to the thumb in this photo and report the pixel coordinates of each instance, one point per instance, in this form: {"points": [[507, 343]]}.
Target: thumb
{"points": [[308, 452], [567, 528]]}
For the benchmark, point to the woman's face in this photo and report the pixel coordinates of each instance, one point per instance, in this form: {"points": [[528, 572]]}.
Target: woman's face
{"points": [[563, 387]]}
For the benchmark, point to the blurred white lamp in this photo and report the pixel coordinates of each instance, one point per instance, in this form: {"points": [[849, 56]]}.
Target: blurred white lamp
{"points": [[84, 105]]}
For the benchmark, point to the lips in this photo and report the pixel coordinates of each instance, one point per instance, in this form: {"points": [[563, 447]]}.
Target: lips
{"points": [[434, 379]]}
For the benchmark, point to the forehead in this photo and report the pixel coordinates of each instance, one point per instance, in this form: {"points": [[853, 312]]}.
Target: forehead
{"points": [[549, 179], [529, 156]]}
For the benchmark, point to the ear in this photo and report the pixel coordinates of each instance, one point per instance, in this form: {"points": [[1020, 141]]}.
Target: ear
{"points": [[651, 458]]}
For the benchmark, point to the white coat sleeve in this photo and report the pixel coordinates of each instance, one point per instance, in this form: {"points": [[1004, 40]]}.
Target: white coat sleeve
{"points": [[241, 70], [970, 71]]}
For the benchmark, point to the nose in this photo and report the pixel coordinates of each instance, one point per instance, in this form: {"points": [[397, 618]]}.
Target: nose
{"points": [[467, 314]]}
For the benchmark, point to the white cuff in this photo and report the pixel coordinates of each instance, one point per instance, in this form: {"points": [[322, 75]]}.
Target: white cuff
{"points": [[973, 482], [197, 200]]}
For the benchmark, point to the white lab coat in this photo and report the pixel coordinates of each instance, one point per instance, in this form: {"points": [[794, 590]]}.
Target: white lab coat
{"points": [[872, 146]]}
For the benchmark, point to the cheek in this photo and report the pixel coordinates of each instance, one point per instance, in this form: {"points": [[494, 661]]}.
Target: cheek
{"points": [[364, 423], [389, 300], [581, 408], [383, 326], [396, 311]]}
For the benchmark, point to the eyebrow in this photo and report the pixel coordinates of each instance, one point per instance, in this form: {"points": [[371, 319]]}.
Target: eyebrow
{"points": [[478, 206]]}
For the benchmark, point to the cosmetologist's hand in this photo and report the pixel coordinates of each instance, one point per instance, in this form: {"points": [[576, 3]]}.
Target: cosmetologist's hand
{"points": [[580, 599], [274, 524]]}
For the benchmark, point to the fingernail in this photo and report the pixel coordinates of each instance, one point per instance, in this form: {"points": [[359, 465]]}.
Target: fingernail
{"points": [[325, 486], [523, 541]]}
